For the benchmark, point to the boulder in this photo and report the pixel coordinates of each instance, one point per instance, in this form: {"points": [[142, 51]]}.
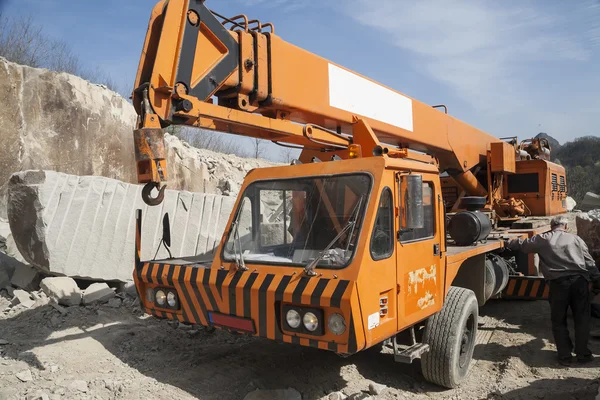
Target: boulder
{"points": [[59, 121], [62, 289], [97, 292], [588, 228], [591, 201], [85, 226]]}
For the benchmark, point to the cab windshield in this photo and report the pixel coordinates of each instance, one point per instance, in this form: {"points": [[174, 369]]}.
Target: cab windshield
{"points": [[296, 221]]}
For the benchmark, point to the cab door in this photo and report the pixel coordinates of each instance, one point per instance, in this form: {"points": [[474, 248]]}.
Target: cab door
{"points": [[419, 262]]}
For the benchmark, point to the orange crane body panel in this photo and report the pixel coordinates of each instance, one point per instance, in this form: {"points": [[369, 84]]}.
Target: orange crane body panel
{"points": [[302, 87]]}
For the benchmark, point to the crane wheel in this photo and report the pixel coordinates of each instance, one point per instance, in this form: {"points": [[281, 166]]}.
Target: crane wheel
{"points": [[451, 335]]}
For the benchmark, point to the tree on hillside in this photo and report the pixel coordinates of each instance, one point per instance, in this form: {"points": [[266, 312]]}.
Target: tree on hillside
{"points": [[24, 42], [203, 139], [288, 154], [258, 147]]}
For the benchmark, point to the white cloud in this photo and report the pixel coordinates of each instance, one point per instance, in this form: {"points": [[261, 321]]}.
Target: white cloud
{"points": [[487, 52]]}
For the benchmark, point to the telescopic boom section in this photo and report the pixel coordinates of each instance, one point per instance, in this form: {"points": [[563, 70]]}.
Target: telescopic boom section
{"points": [[271, 89]]}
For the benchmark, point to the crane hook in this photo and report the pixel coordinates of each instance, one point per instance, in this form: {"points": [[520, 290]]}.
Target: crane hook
{"points": [[147, 197]]}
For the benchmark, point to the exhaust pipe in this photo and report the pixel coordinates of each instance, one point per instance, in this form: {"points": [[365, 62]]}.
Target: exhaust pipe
{"points": [[380, 151]]}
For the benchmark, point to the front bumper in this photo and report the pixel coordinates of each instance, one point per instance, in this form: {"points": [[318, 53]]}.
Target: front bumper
{"points": [[254, 296]]}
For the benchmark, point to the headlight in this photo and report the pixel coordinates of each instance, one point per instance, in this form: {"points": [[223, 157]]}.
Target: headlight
{"points": [[311, 322], [171, 299], [337, 324], [293, 319], [161, 297]]}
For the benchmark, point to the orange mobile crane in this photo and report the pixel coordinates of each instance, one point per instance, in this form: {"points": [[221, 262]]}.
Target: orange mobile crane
{"points": [[357, 247]]}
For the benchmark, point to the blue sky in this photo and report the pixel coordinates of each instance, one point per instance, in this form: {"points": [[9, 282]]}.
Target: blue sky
{"points": [[507, 67]]}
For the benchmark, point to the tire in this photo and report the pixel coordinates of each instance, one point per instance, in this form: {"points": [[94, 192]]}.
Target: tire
{"points": [[451, 335]]}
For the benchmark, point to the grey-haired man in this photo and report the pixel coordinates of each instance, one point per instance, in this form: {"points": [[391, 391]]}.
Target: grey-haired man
{"points": [[569, 268]]}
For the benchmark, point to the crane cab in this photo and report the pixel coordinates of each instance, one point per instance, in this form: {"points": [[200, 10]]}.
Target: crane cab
{"points": [[338, 255]]}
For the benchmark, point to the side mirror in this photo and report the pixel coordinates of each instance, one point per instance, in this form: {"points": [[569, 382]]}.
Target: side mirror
{"points": [[411, 193], [166, 231]]}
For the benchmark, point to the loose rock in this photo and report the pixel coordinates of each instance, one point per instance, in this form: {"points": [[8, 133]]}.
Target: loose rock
{"points": [[128, 288], [22, 297], [63, 290], [336, 396], [25, 376], [4, 342], [97, 292], [38, 395], [55, 321], [114, 302], [79, 385], [58, 308], [376, 388]]}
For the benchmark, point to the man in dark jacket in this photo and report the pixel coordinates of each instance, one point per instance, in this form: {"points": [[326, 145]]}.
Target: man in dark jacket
{"points": [[569, 268]]}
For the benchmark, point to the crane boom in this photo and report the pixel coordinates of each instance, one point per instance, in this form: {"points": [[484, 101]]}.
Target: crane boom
{"points": [[264, 84], [235, 75]]}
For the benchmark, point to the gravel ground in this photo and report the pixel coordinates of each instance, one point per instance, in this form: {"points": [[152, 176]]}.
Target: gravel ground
{"points": [[104, 352]]}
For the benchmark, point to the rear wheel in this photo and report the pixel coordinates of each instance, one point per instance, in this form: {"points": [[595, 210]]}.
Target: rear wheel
{"points": [[451, 335]]}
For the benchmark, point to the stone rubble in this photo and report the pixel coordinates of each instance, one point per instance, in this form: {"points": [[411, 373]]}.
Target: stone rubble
{"points": [[25, 376], [80, 386]]}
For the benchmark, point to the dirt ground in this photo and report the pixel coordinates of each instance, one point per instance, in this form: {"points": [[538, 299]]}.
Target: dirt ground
{"points": [[118, 353]]}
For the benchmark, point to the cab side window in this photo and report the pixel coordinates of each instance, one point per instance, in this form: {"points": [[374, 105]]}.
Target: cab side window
{"points": [[382, 239], [428, 229]]}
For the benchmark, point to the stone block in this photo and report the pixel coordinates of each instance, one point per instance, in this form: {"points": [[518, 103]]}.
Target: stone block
{"points": [[85, 226], [26, 278], [97, 292], [63, 290]]}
